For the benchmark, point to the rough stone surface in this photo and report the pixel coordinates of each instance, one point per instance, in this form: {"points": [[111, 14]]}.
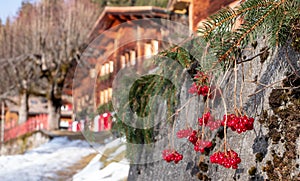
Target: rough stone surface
{"points": [[261, 154], [24, 143]]}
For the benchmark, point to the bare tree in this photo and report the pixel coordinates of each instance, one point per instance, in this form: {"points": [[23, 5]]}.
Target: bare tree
{"points": [[48, 36]]}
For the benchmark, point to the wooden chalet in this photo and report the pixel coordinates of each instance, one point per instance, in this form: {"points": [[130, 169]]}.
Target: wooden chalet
{"points": [[111, 50], [198, 10]]}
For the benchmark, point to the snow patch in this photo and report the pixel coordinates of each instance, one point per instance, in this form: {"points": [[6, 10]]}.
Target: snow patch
{"points": [[42, 163], [60, 153], [115, 171]]}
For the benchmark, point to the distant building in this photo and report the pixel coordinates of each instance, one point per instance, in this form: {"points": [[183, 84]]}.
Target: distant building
{"points": [[36, 106], [188, 12]]}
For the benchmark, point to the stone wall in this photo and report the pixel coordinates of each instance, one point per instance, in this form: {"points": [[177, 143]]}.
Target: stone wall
{"points": [[24, 143], [270, 151]]}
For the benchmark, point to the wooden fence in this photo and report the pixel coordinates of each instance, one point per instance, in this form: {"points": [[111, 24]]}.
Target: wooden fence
{"points": [[14, 130]]}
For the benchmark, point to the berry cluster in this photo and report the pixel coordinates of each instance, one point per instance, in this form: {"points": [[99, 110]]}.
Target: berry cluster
{"points": [[204, 119], [199, 89], [214, 124], [200, 86], [238, 124], [193, 137], [228, 159], [199, 145], [169, 156], [184, 133], [201, 77], [209, 121]]}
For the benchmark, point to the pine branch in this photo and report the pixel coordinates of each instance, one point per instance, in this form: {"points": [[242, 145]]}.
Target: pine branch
{"points": [[273, 18], [250, 29], [229, 42], [278, 31], [227, 15]]}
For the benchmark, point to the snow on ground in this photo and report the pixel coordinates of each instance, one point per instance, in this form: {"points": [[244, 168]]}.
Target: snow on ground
{"points": [[117, 152], [42, 163], [113, 143], [115, 171]]}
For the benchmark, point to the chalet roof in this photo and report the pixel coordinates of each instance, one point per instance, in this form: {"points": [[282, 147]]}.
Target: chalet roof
{"points": [[112, 16]]}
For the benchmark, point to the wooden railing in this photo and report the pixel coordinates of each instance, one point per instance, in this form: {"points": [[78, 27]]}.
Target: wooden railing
{"points": [[14, 130]]}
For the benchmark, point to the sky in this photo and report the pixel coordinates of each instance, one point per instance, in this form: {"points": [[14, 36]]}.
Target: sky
{"points": [[9, 8]]}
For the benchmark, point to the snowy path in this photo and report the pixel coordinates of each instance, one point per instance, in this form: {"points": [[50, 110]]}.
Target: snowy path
{"points": [[44, 162], [116, 170]]}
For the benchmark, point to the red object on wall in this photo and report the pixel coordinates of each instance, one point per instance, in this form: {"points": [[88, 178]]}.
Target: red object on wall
{"points": [[104, 122], [36, 123], [78, 126], [69, 106]]}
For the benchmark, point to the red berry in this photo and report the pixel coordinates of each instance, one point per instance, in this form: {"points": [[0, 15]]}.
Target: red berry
{"points": [[238, 124], [205, 119], [230, 159], [169, 156], [196, 148], [180, 157], [234, 166], [202, 150], [184, 133], [238, 160], [208, 144]]}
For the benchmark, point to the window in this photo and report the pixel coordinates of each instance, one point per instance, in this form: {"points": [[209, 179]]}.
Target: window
{"points": [[154, 47], [44, 100], [123, 61], [109, 93], [64, 108], [111, 66], [101, 97], [102, 70], [106, 95], [148, 50], [92, 73], [127, 58], [33, 101], [106, 68], [132, 57]]}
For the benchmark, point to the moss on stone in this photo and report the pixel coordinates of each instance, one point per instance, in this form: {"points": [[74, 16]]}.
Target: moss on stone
{"points": [[259, 157], [283, 127], [252, 171]]}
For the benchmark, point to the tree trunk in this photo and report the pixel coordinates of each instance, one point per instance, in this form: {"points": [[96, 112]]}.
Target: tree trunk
{"points": [[2, 126], [54, 105], [23, 110]]}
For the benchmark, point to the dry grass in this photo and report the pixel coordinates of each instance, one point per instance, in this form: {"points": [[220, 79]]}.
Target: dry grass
{"points": [[67, 173], [108, 152], [117, 158], [105, 158]]}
